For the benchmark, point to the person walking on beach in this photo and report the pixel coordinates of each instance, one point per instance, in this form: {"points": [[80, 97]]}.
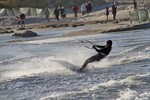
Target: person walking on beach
{"points": [[102, 51], [107, 13], [75, 10], [114, 12], [83, 9], [47, 14], [56, 13]]}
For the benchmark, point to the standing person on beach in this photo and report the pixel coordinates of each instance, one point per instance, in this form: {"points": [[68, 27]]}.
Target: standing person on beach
{"points": [[19, 21], [135, 5], [56, 13], [47, 14], [75, 10], [86, 5], [107, 13], [62, 11], [89, 7], [114, 12], [22, 16], [102, 51], [83, 9]]}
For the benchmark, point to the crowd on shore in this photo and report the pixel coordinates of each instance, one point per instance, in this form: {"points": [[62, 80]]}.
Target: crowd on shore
{"points": [[60, 12], [85, 8], [111, 19]]}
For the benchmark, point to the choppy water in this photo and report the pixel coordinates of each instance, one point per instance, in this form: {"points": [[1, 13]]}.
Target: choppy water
{"points": [[30, 68]]}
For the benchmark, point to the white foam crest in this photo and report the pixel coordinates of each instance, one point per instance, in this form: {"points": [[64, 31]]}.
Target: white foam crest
{"points": [[148, 48], [128, 50], [135, 49], [133, 95], [50, 64], [136, 53], [109, 84], [129, 58], [35, 66], [137, 79]]}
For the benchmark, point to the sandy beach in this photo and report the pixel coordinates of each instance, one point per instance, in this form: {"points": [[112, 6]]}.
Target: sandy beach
{"points": [[96, 19]]}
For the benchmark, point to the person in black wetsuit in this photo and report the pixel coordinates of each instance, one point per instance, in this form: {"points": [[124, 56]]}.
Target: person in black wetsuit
{"points": [[135, 5], [103, 51], [56, 13]]}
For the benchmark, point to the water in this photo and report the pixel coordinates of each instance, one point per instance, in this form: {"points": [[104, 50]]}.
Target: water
{"points": [[30, 68]]}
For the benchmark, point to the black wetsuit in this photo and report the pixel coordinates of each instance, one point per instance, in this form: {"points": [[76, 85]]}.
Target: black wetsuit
{"points": [[103, 51], [56, 13]]}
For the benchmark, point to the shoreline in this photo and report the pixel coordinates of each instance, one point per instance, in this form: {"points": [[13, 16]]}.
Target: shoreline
{"points": [[96, 19], [100, 27]]}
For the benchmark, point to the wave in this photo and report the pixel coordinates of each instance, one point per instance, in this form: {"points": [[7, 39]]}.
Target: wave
{"points": [[31, 66], [135, 54], [34, 65], [133, 95], [40, 64], [117, 89]]}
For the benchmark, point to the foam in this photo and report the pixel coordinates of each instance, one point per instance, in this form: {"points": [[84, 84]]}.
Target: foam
{"points": [[127, 94], [131, 55], [29, 66], [133, 95], [33, 67]]}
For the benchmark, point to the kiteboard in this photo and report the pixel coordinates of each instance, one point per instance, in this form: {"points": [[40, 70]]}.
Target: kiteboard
{"points": [[68, 65]]}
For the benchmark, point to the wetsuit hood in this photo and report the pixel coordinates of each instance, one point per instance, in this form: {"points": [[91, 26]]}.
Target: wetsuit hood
{"points": [[109, 42]]}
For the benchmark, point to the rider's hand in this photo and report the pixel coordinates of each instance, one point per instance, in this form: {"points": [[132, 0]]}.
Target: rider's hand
{"points": [[93, 47]]}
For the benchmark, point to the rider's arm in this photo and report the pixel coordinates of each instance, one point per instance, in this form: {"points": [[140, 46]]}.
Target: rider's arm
{"points": [[98, 48]]}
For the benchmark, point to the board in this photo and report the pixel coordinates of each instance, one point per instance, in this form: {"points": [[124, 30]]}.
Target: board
{"points": [[68, 65]]}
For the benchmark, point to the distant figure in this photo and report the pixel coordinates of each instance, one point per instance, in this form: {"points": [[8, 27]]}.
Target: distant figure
{"points": [[22, 16], [56, 13], [47, 14], [86, 5], [107, 13], [62, 11], [75, 10], [114, 12], [102, 51], [89, 7], [135, 5], [114, 2], [19, 21], [83, 9]]}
